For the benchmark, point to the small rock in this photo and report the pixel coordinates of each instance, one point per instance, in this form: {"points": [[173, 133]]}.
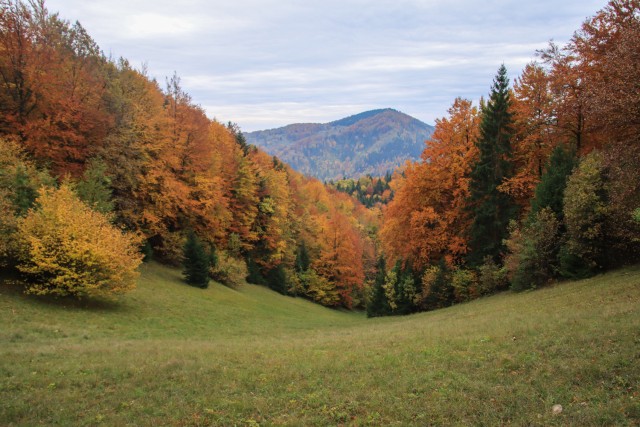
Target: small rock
{"points": [[556, 409]]}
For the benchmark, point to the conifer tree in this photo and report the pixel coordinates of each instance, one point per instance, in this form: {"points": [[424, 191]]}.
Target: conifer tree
{"points": [[23, 192], [550, 191], [378, 304], [491, 208], [302, 258], [277, 279], [196, 262]]}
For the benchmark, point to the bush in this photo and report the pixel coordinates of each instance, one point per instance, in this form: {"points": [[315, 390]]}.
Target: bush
{"points": [[465, 285], [491, 277], [8, 229], [229, 270], [585, 214], [319, 289], [19, 181], [437, 291], [65, 248], [168, 247], [533, 257]]}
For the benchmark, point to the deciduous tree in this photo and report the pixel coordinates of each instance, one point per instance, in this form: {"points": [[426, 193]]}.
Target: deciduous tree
{"points": [[68, 249]]}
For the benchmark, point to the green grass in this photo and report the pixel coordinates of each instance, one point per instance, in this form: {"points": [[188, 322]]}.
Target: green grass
{"points": [[169, 354]]}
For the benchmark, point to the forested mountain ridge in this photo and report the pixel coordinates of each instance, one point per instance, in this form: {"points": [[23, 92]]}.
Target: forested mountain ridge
{"points": [[373, 142]]}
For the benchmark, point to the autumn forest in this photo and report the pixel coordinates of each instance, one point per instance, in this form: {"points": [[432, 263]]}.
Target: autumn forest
{"points": [[103, 168]]}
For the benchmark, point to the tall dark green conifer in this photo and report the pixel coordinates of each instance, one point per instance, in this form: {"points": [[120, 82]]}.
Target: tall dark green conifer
{"points": [[302, 258], [491, 208], [550, 191], [196, 262], [378, 305]]}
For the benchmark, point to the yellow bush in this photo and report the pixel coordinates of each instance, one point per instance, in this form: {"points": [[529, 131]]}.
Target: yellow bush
{"points": [[65, 248]]}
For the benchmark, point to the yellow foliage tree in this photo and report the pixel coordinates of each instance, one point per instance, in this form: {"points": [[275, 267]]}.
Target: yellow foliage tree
{"points": [[68, 249]]}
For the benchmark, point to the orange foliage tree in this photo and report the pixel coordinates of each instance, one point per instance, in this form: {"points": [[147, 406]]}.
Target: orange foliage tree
{"points": [[170, 169], [534, 132], [427, 219]]}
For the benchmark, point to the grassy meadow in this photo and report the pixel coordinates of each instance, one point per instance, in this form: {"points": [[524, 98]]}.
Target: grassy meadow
{"points": [[169, 354]]}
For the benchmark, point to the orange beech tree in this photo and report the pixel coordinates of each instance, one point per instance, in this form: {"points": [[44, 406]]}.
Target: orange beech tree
{"points": [[534, 132], [427, 218]]}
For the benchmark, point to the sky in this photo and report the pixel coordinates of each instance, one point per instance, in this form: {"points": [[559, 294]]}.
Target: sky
{"points": [[267, 63]]}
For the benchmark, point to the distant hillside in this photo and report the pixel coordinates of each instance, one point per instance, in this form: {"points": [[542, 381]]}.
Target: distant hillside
{"points": [[373, 142]]}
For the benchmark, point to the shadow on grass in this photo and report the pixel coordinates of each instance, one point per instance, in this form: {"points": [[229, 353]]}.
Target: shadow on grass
{"points": [[13, 286]]}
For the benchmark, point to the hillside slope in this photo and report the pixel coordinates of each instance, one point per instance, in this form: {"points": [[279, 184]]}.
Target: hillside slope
{"points": [[373, 142], [169, 354]]}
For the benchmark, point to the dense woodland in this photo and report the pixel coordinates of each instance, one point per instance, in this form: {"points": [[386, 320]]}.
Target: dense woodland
{"points": [[371, 191], [78, 125], [102, 166], [538, 182]]}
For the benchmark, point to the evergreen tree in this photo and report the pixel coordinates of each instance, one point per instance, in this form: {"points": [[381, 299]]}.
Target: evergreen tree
{"points": [[239, 136], [24, 194], [254, 275], [378, 305], [196, 262], [407, 287], [277, 279], [95, 187], [440, 292], [302, 259], [491, 208], [550, 191]]}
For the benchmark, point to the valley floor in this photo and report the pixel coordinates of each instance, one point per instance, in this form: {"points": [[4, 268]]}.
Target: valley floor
{"points": [[169, 354]]}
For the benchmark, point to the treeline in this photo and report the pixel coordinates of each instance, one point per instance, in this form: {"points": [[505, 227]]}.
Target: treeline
{"points": [[538, 182], [368, 190], [77, 125]]}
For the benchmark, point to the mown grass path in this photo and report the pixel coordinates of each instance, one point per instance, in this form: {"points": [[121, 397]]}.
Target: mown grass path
{"points": [[169, 354]]}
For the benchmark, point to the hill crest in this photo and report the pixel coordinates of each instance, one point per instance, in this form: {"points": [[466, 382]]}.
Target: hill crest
{"points": [[372, 142]]}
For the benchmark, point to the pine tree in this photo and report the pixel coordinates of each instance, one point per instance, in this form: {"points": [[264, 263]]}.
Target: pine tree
{"points": [[550, 191], [378, 305], [277, 279], [302, 259], [491, 208], [196, 262]]}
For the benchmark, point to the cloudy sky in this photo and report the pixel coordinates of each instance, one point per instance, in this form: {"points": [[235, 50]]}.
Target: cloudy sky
{"points": [[268, 63]]}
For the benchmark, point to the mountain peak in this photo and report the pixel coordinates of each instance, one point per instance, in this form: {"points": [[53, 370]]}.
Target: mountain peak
{"points": [[348, 121], [372, 142]]}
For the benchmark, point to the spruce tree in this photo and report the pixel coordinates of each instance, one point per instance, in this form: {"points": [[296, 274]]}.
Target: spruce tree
{"points": [[196, 262], [302, 259], [550, 191], [277, 279], [491, 208], [378, 304]]}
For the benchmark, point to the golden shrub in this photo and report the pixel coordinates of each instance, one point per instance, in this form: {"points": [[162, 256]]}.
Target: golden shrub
{"points": [[65, 248]]}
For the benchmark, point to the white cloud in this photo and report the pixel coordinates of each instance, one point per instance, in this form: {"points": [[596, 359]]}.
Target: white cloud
{"points": [[265, 63]]}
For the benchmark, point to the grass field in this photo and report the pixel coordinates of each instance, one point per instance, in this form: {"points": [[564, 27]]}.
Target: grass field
{"points": [[169, 354]]}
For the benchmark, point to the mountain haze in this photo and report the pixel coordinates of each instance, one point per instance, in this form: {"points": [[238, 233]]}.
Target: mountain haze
{"points": [[373, 142]]}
